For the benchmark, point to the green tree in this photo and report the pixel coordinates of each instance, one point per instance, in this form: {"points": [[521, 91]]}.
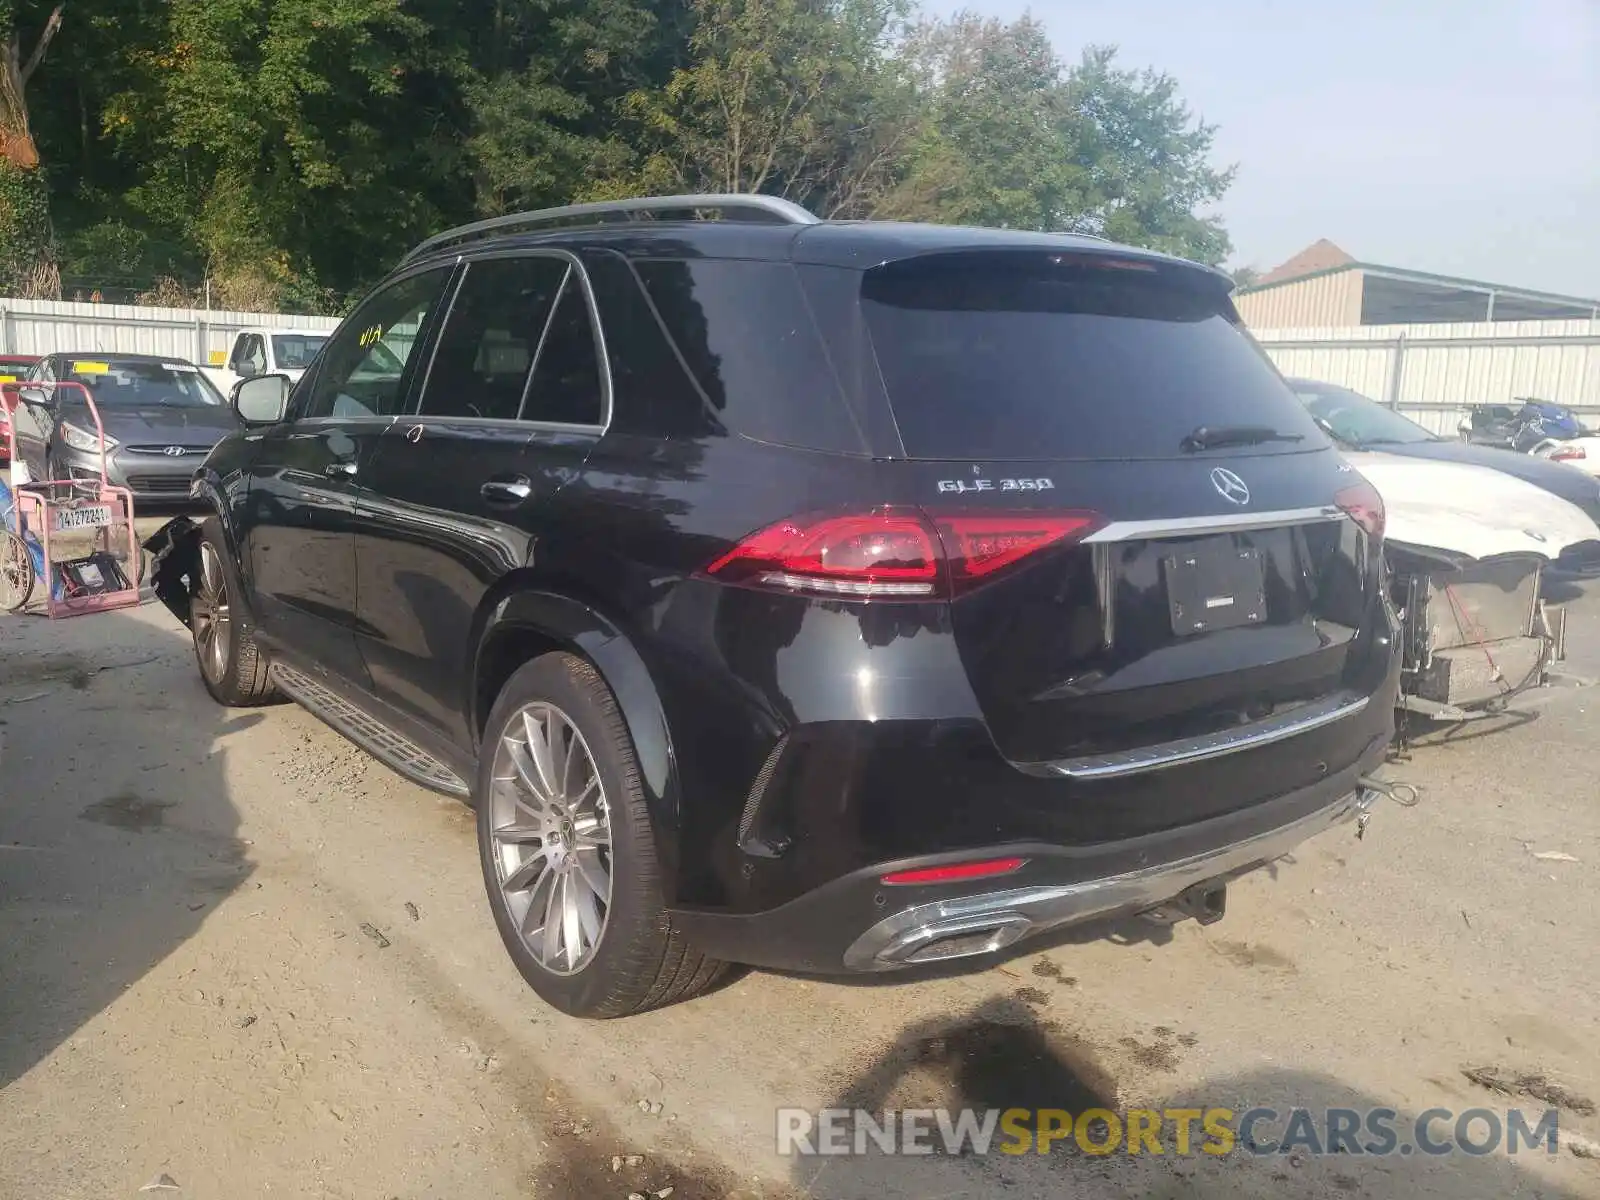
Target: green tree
{"points": [[1000, 143], [1148, 159], [541, 82], [796, 98], [27, 251], [289, 150], [1013, 138], [280, 140]]}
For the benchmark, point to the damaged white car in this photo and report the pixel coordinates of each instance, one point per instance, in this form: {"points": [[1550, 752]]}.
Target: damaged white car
{"points": [[1467, 548]]}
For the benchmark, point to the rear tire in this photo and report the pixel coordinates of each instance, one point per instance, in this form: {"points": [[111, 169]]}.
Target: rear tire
{"points": [[586, 840], [233, 669]]}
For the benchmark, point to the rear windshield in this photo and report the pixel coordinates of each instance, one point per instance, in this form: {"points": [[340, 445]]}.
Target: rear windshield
{"points": [[1051, 356], [165, 385]]}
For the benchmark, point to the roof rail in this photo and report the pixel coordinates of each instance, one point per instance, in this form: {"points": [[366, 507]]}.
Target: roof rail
{"points": [[747, 206]]}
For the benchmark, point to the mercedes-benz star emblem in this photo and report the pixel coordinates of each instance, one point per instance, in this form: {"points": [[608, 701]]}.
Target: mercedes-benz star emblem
{"points": [[175, 451], [1229, 486]]}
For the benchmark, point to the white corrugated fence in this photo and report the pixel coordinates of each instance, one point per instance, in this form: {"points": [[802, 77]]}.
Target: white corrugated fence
{"points": [[52, 326], [1432, 372]]}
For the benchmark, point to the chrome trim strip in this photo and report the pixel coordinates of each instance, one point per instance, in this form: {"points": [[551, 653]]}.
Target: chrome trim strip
{"points": [[1212, 745], [908, 935], [1234, 522]]}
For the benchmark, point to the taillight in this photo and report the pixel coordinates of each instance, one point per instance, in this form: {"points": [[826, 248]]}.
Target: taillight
{"points": [[1362, 504], [1567, 453], [978, 545], [894, 553]]}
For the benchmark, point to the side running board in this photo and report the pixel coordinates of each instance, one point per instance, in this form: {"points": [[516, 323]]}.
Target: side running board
{"points": [[396, 752]]}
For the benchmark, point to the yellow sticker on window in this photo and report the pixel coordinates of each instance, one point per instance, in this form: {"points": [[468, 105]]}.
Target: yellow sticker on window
{"points": [[218, 357], [91, 368], [8, 378]]}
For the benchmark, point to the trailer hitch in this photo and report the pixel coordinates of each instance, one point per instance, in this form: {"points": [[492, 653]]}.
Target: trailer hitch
{"points": [[1404, 794], [1205, 902]]}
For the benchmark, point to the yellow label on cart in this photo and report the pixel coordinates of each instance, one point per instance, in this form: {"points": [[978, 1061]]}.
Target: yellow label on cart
{"points": [[91, 368], [218, 357]]}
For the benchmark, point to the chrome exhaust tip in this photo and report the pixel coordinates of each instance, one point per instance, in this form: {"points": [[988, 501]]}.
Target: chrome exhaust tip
{"points": [[958, 937]]}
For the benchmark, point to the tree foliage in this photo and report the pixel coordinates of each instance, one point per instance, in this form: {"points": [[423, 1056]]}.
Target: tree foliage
{"points": [[288, 151]]}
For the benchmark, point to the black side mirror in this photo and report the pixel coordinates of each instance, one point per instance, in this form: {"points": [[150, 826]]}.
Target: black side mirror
{"points": [[261, 399]]}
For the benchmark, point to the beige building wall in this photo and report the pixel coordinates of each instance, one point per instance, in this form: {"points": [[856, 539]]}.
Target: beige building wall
{"points": [[1320, 302]]}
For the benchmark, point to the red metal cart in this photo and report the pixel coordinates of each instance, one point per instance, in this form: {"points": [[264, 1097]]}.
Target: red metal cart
{"points": [[108, 576]]}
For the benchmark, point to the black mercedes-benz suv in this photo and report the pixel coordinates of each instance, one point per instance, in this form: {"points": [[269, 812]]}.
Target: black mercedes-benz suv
{"points": [[827, 596]]}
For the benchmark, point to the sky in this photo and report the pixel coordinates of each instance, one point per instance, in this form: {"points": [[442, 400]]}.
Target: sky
{"points": [[1461, 138]]}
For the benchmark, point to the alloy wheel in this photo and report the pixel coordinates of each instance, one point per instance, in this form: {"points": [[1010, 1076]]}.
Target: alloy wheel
{"points": [[551, 830], [208, 609]]}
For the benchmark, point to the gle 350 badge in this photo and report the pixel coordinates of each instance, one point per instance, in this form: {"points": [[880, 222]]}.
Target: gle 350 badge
{"points": [[996, 485]]}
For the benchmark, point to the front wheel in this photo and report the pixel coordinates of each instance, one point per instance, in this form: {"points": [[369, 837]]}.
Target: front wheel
{"points": [[568, 854], [234, 671]]}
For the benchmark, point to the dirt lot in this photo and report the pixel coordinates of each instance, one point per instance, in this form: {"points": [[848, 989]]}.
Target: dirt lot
{"points": [[236, 952]]}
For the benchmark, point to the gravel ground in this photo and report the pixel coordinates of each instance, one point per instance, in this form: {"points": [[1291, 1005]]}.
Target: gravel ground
{"points": [[236, 952]]}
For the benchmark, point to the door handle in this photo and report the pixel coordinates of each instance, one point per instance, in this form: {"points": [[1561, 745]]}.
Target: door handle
{"points": [[335, 470], [507, 491]]}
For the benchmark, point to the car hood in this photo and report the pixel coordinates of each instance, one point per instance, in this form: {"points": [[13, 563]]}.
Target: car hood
{"points": [[1569, 483], [191, 425], [1468, 510]]}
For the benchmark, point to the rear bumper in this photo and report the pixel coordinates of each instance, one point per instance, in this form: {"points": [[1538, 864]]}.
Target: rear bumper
{"points": [[989, 921], [835, 746], [856, 923]]}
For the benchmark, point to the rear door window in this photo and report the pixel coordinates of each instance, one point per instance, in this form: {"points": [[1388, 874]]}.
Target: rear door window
{"points": [[1067, 357], [486, 349]]}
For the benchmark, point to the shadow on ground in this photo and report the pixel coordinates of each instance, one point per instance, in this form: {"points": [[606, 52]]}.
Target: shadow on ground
{"points": [[117, 835], [1003, 1055]]}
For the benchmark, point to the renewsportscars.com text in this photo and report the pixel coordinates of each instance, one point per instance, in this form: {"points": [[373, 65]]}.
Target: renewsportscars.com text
{"points": [[1177, 1131]]}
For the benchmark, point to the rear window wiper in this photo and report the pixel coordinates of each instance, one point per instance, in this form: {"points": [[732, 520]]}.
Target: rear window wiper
{"points": [[1206, 438]]}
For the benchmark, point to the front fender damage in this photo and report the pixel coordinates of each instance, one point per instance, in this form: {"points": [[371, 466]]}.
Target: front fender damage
{"points": [[174, 551]]}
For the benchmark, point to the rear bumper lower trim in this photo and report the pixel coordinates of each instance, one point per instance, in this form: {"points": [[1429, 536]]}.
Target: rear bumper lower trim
{"points": [[1212, 745], [989, 921]]}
